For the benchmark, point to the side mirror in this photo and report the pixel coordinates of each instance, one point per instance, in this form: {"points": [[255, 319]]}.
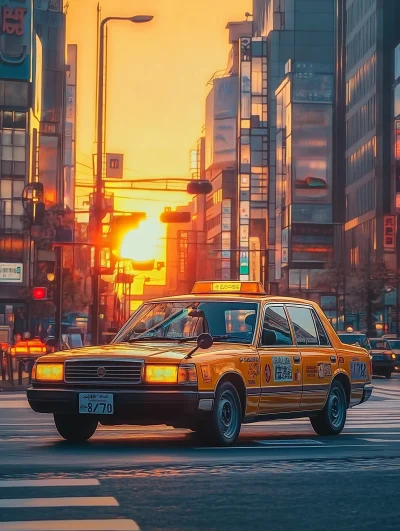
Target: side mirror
{"points": [[205, 341], [269, 337]]}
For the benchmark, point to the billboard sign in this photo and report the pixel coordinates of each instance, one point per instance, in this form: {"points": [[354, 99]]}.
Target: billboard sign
{"points": [[11, 273], [16, 39], [312, 153], [389, 232], [309, 87], [115, 166], [255, 259]]}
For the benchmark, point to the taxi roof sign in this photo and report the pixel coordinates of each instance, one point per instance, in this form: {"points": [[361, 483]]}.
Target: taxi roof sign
{"points": [[247, 287]]}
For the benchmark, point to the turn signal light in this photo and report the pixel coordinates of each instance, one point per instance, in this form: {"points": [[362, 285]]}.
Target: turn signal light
{"points": [[48, 372], [161, 374], [187, 374]]}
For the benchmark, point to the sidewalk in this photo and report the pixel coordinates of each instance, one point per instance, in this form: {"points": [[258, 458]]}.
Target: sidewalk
{"points": [[6, 385]]}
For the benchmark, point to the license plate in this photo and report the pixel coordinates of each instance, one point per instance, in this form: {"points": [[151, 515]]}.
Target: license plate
{"points": [[96, 403]]}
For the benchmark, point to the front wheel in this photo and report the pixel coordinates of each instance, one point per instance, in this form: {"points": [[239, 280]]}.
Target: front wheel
{"points": [[331, 420], [222, 426], [75, 428]]}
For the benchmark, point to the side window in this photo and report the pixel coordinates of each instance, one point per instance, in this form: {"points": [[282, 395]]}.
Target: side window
{"points": [[275, 319], [322, 335], [303, 324]]}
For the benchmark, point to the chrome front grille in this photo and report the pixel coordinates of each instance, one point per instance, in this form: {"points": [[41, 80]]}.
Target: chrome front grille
{"points": [[103, 372]]}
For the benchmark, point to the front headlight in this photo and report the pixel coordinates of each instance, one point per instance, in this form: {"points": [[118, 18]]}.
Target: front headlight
{"points": [[161, 374], [48, 372], [394, 356]]}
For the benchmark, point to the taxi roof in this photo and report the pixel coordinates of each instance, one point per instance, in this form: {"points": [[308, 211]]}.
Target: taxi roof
{"points": [[233, 297]]}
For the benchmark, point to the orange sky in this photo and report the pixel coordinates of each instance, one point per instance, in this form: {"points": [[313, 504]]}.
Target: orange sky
{"points": [[157, 84], [158, 74]]}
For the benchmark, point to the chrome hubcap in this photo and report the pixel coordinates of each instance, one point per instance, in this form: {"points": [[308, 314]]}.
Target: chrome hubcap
{"points": [[337, 408], [227, 415]]}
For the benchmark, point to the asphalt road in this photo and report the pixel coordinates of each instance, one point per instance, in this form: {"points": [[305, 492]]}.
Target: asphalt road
{"points": [[280, 475]]}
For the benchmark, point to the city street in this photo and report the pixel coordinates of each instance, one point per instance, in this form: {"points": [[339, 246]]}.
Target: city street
{"points": [[157, 478]]}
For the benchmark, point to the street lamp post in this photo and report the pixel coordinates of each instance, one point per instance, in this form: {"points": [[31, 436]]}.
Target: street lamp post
{"points": [[99, 193]]}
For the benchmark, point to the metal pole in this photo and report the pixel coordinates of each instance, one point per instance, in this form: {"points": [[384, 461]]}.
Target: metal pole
{"points": [[98, 196], [59, 297]]}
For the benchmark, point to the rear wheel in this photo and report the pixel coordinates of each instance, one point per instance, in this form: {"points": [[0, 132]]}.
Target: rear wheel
{"points": [[332, 418], [387, 373], [222, 426], [75, 428]]}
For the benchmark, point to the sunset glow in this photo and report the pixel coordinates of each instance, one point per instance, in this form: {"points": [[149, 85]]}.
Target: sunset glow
{"points": [[142, 244]]}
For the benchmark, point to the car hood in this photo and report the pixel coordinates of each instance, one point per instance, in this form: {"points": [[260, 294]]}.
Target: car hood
{"points": [[150, 351]]}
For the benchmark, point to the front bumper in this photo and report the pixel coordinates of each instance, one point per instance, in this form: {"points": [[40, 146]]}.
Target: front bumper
{"points": [[384, 364], [141, 407], [368, 388]]}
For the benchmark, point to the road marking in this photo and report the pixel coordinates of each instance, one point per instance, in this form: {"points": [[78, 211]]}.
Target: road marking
{"points": [[290, 442], [8, 483], [383, 440], [83, 501], [71, 525], [14, 404], [267, 447]]}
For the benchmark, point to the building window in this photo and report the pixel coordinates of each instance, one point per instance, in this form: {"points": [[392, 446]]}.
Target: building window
{"points": [[12, 170]]}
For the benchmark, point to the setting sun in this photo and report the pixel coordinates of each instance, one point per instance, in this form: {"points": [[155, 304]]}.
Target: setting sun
{"points": [[142, 244]]}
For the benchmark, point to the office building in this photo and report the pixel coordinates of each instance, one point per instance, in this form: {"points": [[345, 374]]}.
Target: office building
{"points": [[32, 88]]}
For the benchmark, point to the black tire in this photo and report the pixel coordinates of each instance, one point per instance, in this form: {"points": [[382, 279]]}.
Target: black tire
{"points": [[387, 373], [221, 427], [75, 428], [332, 418]]}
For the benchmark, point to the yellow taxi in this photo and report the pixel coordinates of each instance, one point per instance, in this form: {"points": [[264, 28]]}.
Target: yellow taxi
{"points": [[225, 355]]}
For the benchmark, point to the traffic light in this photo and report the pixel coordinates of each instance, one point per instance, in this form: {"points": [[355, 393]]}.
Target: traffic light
{"points": [[143, 266], [169, 216], [120, 226], [198, 187], [39, 294]]}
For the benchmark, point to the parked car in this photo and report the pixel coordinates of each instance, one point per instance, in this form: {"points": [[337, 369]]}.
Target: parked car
{"points": [[395, 347], [383, 357]]}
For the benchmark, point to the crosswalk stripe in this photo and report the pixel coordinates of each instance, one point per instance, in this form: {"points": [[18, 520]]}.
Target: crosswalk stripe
{"points": [[14, 404], [73, 501], [16, 483], [71, 525]]}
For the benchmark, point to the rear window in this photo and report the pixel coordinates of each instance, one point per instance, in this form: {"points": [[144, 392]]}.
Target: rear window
{"points": [[379, 344], [351, 339]]}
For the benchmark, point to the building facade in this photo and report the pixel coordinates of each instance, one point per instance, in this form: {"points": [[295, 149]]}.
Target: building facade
{"points": [[32, 81], [370, 39], [300, 57]]}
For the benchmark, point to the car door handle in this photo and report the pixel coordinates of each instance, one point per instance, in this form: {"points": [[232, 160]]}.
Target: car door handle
{"points": [[333, 359], [296, 359]]}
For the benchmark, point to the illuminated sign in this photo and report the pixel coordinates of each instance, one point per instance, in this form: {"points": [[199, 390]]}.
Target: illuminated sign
{"points": [[11, 273], [15, 39], [389, 232]]}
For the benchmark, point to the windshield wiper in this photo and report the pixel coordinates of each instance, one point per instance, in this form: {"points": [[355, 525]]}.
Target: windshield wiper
{"points": [[184, 339], [229, 336], [149, 338]]}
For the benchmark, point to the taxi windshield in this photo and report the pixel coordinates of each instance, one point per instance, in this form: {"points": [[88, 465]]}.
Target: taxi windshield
{"points": [[232, 322]]}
